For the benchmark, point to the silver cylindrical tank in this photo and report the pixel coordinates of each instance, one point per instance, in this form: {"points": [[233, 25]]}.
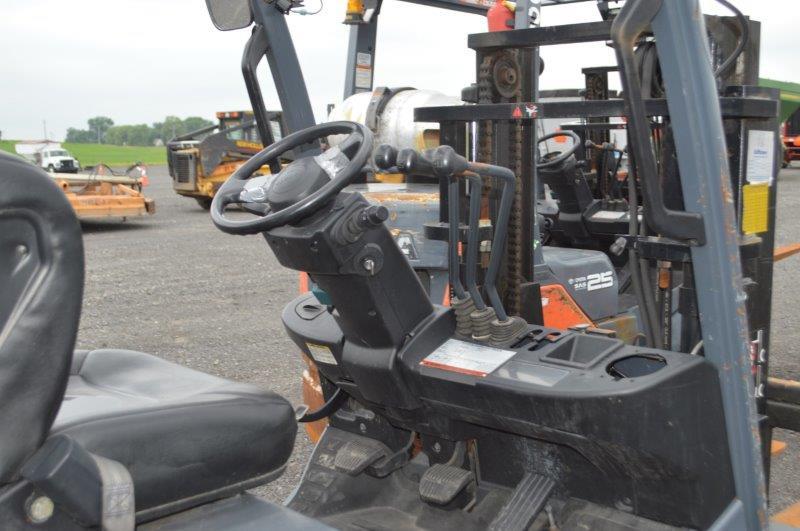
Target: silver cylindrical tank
{"points": [[395, 125]]}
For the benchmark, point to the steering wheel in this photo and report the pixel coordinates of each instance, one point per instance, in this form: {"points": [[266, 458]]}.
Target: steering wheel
{"points": [[298, 190], [563, 156]]}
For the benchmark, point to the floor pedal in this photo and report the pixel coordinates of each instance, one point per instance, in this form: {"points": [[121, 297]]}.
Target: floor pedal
{"points": [[440, 484], [356, 455], [525, 503]]}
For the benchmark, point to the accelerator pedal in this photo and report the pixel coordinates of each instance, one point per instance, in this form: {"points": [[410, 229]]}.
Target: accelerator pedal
{"points": [[525, 503], [357, 455], [440, 484]]}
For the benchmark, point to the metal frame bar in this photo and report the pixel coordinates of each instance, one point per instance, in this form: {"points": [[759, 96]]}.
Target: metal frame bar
{"points": [[475, 7], [287, 75], [362, 39], [732, 107], [480, 7], [705, 178], [542, 36]]}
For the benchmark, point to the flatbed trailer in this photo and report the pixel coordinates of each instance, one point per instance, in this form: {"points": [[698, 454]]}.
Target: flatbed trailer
{"points": [[96, 197]]}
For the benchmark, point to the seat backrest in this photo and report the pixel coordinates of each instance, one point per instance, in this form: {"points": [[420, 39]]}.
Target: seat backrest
{"points": [[41, 287]]}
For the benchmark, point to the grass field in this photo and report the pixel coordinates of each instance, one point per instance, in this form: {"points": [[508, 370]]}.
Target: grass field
{"points": [[91, 154]]}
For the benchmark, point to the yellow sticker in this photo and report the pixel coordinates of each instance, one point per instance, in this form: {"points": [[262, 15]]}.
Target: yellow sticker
{"points": [[321, 353], [248, 145], [755, 211]]}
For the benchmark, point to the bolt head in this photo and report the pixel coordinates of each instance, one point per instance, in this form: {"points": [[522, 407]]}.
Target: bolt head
{"points": [[40, 509]]}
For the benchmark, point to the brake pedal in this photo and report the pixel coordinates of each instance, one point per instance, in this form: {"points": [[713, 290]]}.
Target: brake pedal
{"points": [[440, 484], [357, 455], [525, 503]]}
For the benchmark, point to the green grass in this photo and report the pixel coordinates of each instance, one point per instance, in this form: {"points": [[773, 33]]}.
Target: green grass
{"points": [[91, 154], [8, 145]]}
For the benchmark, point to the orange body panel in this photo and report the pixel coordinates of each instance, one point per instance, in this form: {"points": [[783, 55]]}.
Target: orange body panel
{"points": [[314, 399], [312, 390], [777, 448], [559, 309], [789, 516]]}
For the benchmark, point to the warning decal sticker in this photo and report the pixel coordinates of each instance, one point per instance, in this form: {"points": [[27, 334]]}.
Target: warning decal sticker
{"points": [[363, 70], [321, 353], [755, 211], [760, 156], [467, 358]]}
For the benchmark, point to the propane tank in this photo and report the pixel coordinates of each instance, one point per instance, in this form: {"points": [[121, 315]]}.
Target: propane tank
{"points": [[501, 16], [395, 123]]}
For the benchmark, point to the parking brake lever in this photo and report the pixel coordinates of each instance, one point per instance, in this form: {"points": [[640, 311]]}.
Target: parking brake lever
{"points": [[448, 163]]}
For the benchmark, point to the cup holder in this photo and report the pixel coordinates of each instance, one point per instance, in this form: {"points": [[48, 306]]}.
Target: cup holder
{"points": [[636, 365]]}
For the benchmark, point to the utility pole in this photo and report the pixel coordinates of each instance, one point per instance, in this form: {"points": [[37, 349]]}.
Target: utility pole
{"points": [[44, 128]]}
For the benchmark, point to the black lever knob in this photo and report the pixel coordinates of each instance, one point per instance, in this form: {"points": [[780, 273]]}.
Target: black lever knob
{"points": [[385, 157], [447, 162], [410, 161], [372, 216]]}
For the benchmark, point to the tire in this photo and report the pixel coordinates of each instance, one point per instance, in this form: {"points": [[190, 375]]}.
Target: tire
{"points": [[51, 169], [204, 202]]}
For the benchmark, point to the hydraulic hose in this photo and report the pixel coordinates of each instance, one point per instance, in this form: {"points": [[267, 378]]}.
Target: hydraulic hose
{"points": [[743, 39], [633, 259], [649, 296], [329, 408]]}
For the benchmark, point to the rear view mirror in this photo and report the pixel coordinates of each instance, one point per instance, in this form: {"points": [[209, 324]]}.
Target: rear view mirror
{"points": [[230, 14]]}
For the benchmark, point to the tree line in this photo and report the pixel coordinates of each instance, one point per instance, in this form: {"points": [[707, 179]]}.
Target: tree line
{"points": [[102, 130]]}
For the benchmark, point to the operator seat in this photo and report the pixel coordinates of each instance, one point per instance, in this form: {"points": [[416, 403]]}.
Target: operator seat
{"points": [[185, 437]]}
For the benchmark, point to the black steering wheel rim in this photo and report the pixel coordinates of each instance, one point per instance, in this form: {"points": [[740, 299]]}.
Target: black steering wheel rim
{"points": [[576, 142], [230, 190]]}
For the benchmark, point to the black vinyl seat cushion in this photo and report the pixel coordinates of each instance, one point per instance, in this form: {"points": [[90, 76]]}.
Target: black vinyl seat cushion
{"points": [[186, 437]]}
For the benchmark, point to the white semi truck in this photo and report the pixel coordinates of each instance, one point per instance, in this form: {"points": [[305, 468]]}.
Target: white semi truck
{"points": [[48, 155]]}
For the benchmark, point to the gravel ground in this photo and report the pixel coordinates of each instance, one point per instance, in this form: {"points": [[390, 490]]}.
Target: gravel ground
{"points": [[174, 286]]}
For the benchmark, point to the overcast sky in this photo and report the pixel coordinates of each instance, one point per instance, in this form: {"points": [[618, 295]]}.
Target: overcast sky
{"points": [[137, 61]]}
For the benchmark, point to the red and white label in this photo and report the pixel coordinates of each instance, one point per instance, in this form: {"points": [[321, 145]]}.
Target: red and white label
{"points": [[467, 358]]}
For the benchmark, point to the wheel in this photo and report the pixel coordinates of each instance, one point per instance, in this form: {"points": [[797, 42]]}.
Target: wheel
{"points": [[204, 202], [51, 169]]}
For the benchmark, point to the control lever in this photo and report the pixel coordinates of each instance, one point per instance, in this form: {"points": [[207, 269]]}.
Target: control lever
{"points": [[385, 157], [410, 161], [448, 163], [482, 317], [406, 161]]}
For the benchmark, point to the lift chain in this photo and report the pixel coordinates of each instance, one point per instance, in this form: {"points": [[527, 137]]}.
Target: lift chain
{"points": [[499, 81]]}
